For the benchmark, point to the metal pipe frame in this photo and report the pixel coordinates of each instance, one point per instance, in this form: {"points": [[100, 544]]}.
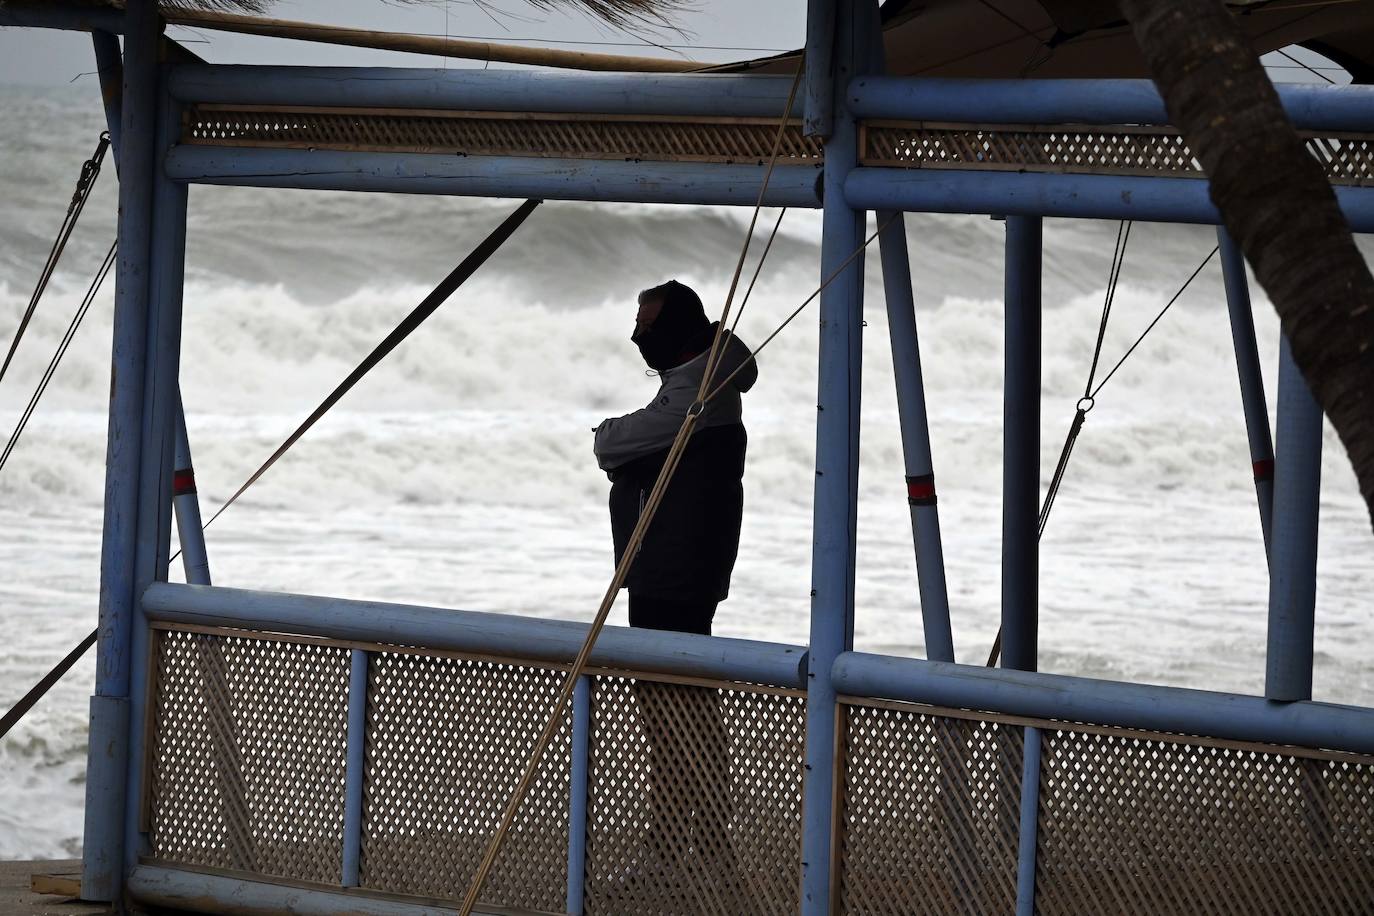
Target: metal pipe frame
{"points": [[983, 191], [1030, 823], [355, 769], [819, 90], [77, 18], [475, 89], [837, 445], [1066, 698], [494, 176], [189, 891], [1251, 379], [103, 851], [1293, 558], [1021, 446], [1075, 101], [531, 638], [577, 794], [161, 394], [195, 561], [911, 414]]}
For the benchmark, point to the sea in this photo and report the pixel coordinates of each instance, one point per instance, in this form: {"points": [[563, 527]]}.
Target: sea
{"points": [[460, 473]]}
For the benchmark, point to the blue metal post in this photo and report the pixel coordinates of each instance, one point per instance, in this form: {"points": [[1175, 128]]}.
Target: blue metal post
{"points": [[157, 451], [1021, 446], [1251, 381], [1030, 822], [911, 412], [1293, 559], [355, 768], [194, 559], [103, 853], [110, 71], [577, 795], [837, 436], [819, 90]]}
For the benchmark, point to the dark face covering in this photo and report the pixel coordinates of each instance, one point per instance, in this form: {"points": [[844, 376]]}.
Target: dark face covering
{"points": [[676, 333]]}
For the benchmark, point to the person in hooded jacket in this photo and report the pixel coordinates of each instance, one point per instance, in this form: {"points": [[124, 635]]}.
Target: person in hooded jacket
{"points": [[682, 571], [683, 567]]}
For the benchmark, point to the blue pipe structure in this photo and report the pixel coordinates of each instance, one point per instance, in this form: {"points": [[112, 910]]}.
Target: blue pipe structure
{"points": [[1252, 397], [1079, 101], [836, 488], [355, 769], [161, 394], [577, 794], [1293, 558], [818, 91], [535, 639], [83, 18], [911, 413], [103, 851], [110, 72], [1162, 200], [188, 891], [1021, 446], [495, 176], [1080, 699], [195, 561], [716, 94], [1030, 823]]}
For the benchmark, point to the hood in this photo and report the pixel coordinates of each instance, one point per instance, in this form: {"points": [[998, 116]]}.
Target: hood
{"points": [[735, 357]]}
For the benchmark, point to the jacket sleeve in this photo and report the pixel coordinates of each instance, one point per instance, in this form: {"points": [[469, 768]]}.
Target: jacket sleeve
{"points": [[648, 430]]}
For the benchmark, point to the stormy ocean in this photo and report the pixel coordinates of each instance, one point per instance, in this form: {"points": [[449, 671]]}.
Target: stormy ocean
{"points": [[460, 472]]}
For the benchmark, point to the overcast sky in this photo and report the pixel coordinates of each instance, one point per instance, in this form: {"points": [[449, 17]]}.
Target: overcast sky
{"points": [[48, 57], [716, 30]]}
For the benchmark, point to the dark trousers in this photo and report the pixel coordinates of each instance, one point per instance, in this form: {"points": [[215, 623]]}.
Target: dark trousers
{"points": [[690, 616], [689, 785]]}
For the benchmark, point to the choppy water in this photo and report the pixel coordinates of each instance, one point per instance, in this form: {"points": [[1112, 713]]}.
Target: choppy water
{"points": [[460, 473]]}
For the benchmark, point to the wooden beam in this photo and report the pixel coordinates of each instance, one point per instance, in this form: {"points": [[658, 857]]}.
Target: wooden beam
{"points": [[422, 44]]}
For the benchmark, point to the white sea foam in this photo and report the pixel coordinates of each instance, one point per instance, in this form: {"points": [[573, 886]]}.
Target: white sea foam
{"points": [[460, 473]]}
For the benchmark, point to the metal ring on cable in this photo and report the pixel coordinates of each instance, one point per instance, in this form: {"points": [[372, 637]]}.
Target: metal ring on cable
{"points": [[1086, 400]]}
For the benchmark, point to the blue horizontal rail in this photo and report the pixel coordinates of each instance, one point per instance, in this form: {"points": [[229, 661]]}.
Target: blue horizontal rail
{"points": [[1166, 200], [1080, 699], [495, 176], [1082, 101], [532, 638], [470, 89], [188, 891]]}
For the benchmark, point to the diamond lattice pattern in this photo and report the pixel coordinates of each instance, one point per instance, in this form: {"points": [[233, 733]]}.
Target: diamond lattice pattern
{"points": [[929, 818], [448, 740], [1130, 825], [248, 755], [695, 799]]}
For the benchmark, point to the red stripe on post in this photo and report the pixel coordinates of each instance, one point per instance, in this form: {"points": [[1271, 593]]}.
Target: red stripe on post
{"points": [[183, 482], [1264, 470], [920, 491]]}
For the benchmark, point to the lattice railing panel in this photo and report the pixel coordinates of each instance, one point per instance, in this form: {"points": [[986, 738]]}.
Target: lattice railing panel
{"points": [[1114, 150], [1130, 825], [929, 813], [447, 741], [474, 133], [695, 799], [248, 755]]}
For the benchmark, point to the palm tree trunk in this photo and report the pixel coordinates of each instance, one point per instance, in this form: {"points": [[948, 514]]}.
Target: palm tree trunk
{"points": [[1276, 202]]}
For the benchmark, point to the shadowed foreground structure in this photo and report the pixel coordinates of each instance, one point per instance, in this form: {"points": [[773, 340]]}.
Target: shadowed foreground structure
{"points": [[259, 752]]}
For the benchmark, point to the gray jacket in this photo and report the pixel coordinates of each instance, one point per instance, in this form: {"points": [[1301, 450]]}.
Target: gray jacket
{"points": [[654, 427]]}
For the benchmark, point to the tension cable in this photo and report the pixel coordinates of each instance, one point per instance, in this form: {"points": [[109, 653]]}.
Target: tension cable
{"points": [[431, 303], [96, 282], [90, 170], [1089, 399]]}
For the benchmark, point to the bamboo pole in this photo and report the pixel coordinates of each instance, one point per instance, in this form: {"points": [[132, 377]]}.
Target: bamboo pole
{"points": [[422, 44]]}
